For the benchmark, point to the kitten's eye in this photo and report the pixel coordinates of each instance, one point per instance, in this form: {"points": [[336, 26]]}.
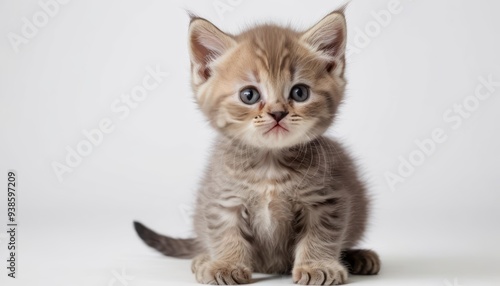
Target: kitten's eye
{"points": [[249, 95], [299, 93]]}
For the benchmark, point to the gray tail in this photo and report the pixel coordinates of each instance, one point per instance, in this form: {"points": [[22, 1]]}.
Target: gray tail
{"points": [[180, 248]]}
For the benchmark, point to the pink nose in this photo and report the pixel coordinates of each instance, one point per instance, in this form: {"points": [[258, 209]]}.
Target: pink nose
{"points": [[278, 115]]}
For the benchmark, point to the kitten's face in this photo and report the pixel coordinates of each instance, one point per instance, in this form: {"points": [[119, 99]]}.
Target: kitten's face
{"points": [[269, 87]]}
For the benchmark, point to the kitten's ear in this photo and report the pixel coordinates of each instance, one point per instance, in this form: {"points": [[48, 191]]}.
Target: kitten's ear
{"points": [[206, 44], [328, 37]]}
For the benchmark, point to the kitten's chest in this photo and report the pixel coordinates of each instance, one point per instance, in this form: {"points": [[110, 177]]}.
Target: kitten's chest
{"points": [[271, 221], [272, 212], [272, 197]]}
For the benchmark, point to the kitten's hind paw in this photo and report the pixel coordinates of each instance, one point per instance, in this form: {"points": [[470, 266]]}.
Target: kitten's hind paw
{"points": [[361, 261], [330, 273]]}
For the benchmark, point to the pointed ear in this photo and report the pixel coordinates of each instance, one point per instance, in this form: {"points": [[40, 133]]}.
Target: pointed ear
{"points": [[206, 44], [328, 37]]}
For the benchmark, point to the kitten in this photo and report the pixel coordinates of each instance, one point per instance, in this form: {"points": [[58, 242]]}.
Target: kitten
{"points": [[277, 196]]}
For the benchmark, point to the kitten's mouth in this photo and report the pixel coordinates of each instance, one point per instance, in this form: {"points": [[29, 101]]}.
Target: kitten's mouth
{"points": [[277, 128]]}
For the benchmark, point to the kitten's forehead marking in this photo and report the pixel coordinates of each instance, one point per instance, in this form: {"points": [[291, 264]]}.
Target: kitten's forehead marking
{"points": [[273, 52]]}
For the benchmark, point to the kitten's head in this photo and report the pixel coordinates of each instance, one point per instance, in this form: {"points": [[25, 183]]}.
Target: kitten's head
{"points": [[269, 87]]}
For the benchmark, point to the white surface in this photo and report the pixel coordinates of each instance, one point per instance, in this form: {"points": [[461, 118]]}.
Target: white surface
{"points": [[440, 225]]}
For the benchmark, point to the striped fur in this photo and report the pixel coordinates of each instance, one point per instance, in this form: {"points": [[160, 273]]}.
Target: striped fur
{"points": [[287, 201]]}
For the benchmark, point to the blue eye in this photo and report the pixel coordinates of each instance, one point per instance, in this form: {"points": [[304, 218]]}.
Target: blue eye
{"points": [[299, 93], [249, 95]]}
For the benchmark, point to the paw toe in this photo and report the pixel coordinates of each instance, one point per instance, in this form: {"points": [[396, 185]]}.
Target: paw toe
{"points": [[362, 261], [321, 274]]}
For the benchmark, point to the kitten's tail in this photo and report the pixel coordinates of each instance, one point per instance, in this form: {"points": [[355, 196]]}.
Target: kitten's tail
{"points": [[180, 248]]}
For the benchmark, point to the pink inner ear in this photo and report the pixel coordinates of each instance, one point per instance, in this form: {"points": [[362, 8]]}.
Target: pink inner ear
{"points": [[334, 47], [213, 44], [207, 44], [328, 36], [202, 55]]}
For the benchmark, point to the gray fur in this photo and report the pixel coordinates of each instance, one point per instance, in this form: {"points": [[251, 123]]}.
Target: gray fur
{"points": [[284, 200]]}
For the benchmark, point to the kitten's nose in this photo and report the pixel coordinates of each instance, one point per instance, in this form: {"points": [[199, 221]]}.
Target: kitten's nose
{"points": [[278, 115]]}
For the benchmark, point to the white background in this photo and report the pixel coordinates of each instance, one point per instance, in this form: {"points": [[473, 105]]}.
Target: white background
{"points": [[441, 226]]}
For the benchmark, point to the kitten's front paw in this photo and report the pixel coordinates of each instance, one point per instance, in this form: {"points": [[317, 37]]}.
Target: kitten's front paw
{"points": [[325, 273], [223, 273]]}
